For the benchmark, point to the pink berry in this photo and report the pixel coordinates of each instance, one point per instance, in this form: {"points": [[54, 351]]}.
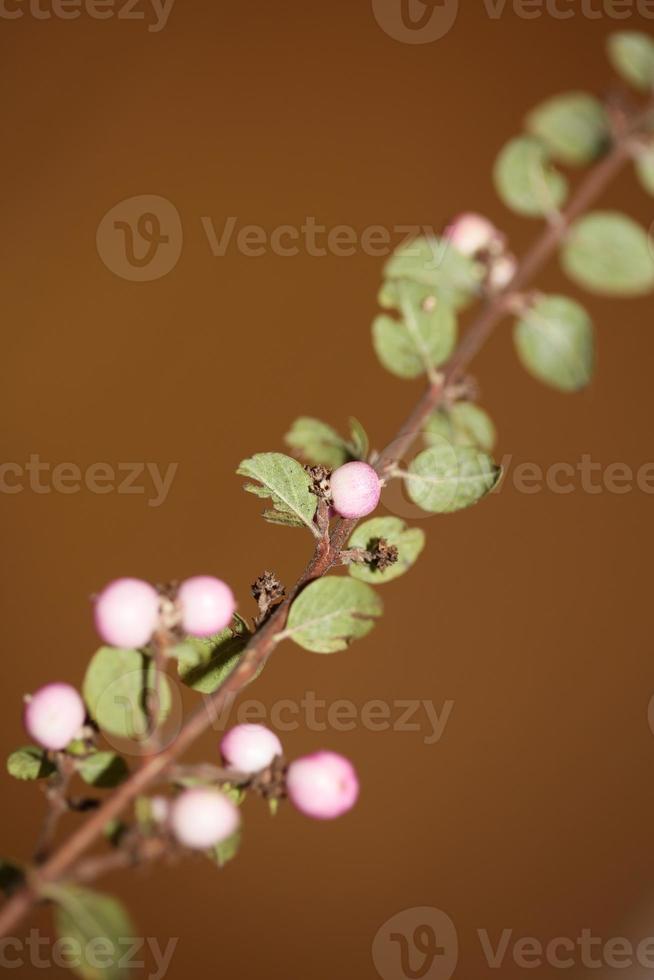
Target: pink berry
{"points": [[471, 233], [355, 489], [250, 748], [207, 605], [323, 785], [502, 271], [127, 613], [54, 715], [159, 808], [201, 818]]}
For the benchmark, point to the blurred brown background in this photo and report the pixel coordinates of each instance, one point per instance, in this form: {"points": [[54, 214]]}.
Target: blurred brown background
{"points": [[530, 612]]}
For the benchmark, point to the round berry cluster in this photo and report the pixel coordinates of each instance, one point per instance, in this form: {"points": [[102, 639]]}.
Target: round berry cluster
{"points": [[476, 237], [127, 611], [323, 785]]}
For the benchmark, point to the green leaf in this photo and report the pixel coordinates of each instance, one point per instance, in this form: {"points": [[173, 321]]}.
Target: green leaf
{"points": [[645, 168], [574, 127], [115, 689], [359, 444], [30, 762], [632, 55], [103, 769], [330, 613], [287, 484], [421, 340], [226, 850], [99, 928], [463, 424], [431, 262], [609, 253], [526, 181], [204, 663], [317, 443], [446, 478], [555, 342], [408, 540]]}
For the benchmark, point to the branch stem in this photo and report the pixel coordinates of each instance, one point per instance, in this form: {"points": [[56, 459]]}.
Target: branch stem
{"points": [[62, 864]]}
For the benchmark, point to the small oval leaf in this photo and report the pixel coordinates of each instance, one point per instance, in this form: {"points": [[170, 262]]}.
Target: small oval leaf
{"points": [[409, 542], [204, 663], [434, 263], [446, 478], [422, 340], [525, 179], [103, 769], [609, 253], [287, 484], [574, 127], [463, 424], [554, 340], [30, 762], [632, 55], [115, 690], [97, 929], [330, 613]]}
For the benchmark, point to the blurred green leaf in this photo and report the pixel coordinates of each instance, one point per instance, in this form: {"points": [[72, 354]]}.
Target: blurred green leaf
{"points": [[463, 424], [446, 478], [555, 342], [317, 442], [226, 850], [408, 540], [574, 127], [525, 179], [30, 762], [421, 340], [321, 445], [433, 263], [204, 663], [609, 253], [331, 612], [645, 168], [632, 55], [359, 444], [99, 928], [116, 687], [287, 484], [103, 769]]}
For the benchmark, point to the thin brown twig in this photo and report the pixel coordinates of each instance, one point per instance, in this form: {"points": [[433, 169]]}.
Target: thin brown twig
{"points": [[326, 554]]}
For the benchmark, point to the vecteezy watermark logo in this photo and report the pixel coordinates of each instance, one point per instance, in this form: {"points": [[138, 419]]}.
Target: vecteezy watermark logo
{"points": [[140, 238], [416, 21], [156, 12], [416, 944]]}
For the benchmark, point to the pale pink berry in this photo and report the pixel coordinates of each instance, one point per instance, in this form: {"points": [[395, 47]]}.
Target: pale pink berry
{"points": [[249, 748], [502, 271], [471, 233], [323, 785], [127, 613], [201, 818], [54, 715], [159, 808], [207, 605], [355, 489]]}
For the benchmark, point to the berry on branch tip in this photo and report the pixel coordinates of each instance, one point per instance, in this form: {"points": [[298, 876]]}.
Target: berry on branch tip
{"points": [[250, 748], [323, 785], [355, 489], [472, 233], [202, 818], [54, 715], [207, 605], [127, 613]]}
